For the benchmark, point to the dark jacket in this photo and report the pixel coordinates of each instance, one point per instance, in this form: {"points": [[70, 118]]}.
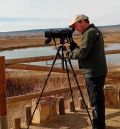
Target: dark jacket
{"points": [[91, 54]]}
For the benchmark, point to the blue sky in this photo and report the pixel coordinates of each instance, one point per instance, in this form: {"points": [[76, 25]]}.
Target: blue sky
{"points": [[42, 14]]}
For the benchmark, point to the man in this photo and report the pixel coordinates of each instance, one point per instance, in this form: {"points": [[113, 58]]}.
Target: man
{"points": [[92, 62]]}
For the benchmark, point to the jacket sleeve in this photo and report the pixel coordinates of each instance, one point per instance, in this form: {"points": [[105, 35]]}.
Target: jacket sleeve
{"points": [[86, 46]]}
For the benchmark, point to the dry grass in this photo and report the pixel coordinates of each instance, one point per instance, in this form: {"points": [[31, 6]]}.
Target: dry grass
{"points": [[21, 82], [111, 37], [37, 41], [21, 42]]}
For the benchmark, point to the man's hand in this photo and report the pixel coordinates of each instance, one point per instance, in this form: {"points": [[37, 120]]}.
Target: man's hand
{"points": [[67, 46], [66, 54], [67, 50]]}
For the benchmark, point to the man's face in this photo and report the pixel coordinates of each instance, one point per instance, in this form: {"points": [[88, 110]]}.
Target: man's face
{"points": [[79, 26]]}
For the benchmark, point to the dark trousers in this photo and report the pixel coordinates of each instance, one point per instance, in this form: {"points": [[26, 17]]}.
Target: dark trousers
{"points": [[96, 94]]}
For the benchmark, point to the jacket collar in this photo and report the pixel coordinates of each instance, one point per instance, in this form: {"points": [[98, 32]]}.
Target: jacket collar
{"points": [[89, 26]]}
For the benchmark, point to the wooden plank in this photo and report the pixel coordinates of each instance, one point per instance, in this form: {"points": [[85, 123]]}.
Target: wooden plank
{"points": [[112, 52], [44, 58], [3, 106], [38, 68], [46, 93], [28, 59], [3, 109]]}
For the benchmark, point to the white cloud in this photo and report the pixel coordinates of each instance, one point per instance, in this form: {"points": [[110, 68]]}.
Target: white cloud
{"points": [[56, 13]]}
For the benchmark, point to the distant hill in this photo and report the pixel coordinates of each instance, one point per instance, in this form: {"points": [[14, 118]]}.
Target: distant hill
{"points": [[110, 28], [35, 32], [23, 33]]}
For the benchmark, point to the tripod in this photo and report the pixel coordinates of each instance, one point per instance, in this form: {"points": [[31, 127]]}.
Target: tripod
{"points": [[64, 62]]}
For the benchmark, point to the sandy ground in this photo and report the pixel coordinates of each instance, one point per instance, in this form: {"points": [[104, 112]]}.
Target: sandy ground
{"points": [[79, 120]]}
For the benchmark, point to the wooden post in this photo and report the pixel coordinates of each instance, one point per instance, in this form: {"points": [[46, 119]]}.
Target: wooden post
{"points": [[89, 104], [17, 123], [61, 106], [72, 106], [119, 96], [28, 114], [82, 105], [3, 107]]}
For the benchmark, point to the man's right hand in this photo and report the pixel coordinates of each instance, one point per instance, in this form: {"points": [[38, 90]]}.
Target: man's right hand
{"points": [[67, 46]]}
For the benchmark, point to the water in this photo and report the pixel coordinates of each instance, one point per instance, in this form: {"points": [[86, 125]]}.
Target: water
{"points": [[28, 52], [112, 46], [113, 58], [45, 51]]}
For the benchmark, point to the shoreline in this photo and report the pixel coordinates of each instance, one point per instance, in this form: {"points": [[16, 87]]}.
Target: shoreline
{"points": [[33, 46], [18, 42], [22, 47]]}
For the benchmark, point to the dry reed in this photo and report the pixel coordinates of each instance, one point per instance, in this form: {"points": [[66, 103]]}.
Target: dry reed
{"points": [[21, 82]]}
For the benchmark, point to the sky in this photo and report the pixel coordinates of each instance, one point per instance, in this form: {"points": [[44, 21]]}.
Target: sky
{"points": [[18, 15]]}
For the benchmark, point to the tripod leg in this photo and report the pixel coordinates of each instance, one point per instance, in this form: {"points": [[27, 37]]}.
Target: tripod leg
{"points": [[74, 74], [62, 61], [43, 87], [72, 105]]}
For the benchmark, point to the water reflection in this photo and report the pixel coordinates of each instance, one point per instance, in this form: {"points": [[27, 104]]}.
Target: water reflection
{"points": [[112, 46], [44, 51], [113, 58], [28, 52]]}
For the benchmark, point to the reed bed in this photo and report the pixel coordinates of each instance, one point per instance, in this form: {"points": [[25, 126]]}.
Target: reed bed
{"points": [[21, 82]]}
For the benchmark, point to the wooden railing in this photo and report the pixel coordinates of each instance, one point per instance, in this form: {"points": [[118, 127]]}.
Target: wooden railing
{"points": [[18, 64], [44, 58]]}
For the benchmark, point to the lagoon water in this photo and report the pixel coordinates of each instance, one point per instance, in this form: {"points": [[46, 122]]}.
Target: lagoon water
{"points": [[28, 52], [50, 50], [113, 58]]}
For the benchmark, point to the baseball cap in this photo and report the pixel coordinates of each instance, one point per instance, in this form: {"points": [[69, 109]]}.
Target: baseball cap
{"points": [[78, 18]]}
